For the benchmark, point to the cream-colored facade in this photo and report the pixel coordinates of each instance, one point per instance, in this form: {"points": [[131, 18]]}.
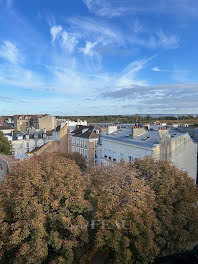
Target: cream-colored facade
{"points": [[47, 122], [175, 147]]}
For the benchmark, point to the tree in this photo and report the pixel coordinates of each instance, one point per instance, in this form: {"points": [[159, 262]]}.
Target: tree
{"points": [[42, 212], [79, 159], [123, 213], [177, 203], [5, 145]]}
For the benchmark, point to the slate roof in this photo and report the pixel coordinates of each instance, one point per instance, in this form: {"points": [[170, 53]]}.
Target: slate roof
{"points": [[147, 140], [88, 133], [6, 128]]}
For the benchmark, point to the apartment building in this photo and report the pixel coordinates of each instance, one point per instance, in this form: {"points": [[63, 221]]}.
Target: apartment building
{"points": [[84, 140], [2, 121], [23, 122], [138, 142], [47, 122], [6, 129], [23, 143]]}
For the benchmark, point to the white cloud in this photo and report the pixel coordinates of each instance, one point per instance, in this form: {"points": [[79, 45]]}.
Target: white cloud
{"points": [[88, 49], [88, 27], [156, 69], [107, 8], [129, 75], [67, 40], [168, 41], [9, 52], [112, 8], [55, 32]]}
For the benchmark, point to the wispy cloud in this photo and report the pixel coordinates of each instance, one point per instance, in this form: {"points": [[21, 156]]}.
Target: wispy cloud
{"points": [[157, 69], [104, 8], [55, 32], [67, 40], [129, 75], [9, 52], [117, 8], [175, 97], [88, 49]]}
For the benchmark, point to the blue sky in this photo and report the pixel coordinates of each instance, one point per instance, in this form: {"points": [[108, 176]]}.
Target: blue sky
{"points": [[94, 57]]}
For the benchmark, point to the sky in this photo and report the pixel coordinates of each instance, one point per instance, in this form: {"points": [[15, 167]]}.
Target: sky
{"points": [[98, 57]]}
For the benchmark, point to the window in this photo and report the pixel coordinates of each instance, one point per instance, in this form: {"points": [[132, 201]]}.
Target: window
{"points": [[28, 144], [77, 142], [85, 153], [114, 156], [96, 143], [85, 144], [110, 155], [81, 151], [73, 149], [81, 143], [77, 149], [95, 154], [121, 156], [130, 159], [105, 153], [73, 141]]}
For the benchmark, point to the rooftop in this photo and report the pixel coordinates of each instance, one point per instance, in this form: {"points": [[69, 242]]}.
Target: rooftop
{"points": [[148, 139], [86, 132]]}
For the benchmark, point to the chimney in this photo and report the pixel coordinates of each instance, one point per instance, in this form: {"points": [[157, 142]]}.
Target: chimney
{"points": [[138, 131], [111, 129], [163, 132]]}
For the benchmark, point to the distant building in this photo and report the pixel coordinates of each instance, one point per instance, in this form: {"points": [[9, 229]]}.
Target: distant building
{"points": [[70, 124], [23, 143], [47, 122], [2, 119], [6, 129], [138, 142], [23, 122], [84, 140], [57, 142]]}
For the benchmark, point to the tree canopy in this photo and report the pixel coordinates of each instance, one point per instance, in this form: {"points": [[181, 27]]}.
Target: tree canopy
{"points": [[126, 204], [53, 212], [5, 145], [41, 206], [177, 203]]}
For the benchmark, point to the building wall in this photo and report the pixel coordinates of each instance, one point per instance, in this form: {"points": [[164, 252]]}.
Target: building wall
{"points": [[181, 151], [6, 131], [47, 122], [59, 145], [86, 147], [21, 124], [21, 147], [2, 121], [120, 151]]}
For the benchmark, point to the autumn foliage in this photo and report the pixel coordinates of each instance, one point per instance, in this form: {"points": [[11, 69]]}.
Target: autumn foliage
{"points": [[177, 203], [127, 204], [40, 201], [52, 211]]}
